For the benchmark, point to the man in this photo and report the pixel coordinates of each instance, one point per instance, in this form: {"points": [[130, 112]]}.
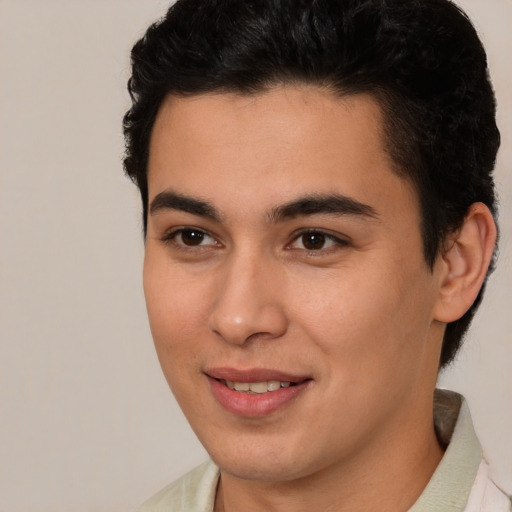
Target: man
{"points": [[319, 218]]}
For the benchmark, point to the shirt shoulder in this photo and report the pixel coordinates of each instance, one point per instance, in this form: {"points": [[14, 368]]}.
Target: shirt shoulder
{"points": [[485, 495], [193, 492]]}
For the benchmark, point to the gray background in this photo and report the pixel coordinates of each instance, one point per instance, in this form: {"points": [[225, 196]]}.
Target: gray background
{"points": [[86, 421]]}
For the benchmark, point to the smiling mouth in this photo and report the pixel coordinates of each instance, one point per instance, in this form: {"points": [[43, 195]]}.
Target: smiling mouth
{"points": [[254, 393], [259, 388]]}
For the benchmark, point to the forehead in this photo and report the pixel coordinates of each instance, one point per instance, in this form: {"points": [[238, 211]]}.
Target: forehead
{"points": [[268, 147], [283, 115]]}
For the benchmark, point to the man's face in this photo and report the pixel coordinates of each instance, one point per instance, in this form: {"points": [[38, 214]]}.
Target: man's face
{"points": [[283, 255]]}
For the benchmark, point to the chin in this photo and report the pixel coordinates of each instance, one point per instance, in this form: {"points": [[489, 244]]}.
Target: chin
{"points": [[262, 471], [268, 464]]}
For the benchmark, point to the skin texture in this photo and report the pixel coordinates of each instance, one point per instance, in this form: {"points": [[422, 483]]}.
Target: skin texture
{"points": [[360, 315]]}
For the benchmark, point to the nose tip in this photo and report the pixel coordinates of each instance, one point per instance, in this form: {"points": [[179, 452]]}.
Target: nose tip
{"points": [[247, 306], [238, 327]]}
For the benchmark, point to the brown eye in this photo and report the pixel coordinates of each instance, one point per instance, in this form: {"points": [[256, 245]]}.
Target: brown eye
{"points": [[191, 237], [317, 241], [313, 241]]}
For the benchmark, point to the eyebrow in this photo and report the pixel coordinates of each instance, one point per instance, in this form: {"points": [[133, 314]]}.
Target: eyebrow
{"points": [[169, 200], [332, 204]]}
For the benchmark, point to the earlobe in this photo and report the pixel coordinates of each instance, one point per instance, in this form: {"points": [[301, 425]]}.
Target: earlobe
{"points": [[464, 263]]}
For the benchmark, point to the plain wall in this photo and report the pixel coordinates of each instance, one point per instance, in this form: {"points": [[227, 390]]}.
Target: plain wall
{"points": [[86, 420]]}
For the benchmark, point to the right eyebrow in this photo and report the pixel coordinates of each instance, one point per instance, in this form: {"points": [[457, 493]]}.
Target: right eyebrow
{"points": [[317, 204], [170, 200]]}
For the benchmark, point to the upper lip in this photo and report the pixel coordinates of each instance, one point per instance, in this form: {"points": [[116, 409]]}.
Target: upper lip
{"points": [[253, 375]]}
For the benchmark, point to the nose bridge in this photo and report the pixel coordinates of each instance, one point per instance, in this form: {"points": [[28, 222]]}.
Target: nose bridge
{"points": [[248, 300]]}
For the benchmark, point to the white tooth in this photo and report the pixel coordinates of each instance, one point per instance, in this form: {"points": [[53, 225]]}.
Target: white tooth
{"points": [[259, 387], [273, 385], [241, 386], [230, 384], [285, 384]]}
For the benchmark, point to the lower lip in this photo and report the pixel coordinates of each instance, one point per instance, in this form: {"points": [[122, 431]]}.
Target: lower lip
{"points": [[257, 404]]}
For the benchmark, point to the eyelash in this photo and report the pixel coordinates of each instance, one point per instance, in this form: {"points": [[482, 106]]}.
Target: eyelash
{"points": [[170, 238], [337, 242]]}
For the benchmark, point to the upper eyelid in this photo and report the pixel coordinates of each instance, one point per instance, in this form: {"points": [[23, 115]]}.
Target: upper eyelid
{"points": [[326, 232], [178, 229], [171, 233]]}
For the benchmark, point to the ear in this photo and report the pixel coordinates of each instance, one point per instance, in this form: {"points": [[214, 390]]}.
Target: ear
{"points": [[464, 263]]}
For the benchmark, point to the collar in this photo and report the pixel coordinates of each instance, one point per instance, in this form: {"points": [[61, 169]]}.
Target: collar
{"points": [[450, 486]]}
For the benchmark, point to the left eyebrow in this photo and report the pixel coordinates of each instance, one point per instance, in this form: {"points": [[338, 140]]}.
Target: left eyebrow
{"points": [[334, 204], [170, 200]]}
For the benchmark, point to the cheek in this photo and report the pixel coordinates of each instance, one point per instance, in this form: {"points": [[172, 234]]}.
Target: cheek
{"points": [[367, 318], [176, 311], [176, 306]]}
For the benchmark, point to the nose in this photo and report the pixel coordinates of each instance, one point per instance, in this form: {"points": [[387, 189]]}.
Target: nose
{"points": [[249, 302]]}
